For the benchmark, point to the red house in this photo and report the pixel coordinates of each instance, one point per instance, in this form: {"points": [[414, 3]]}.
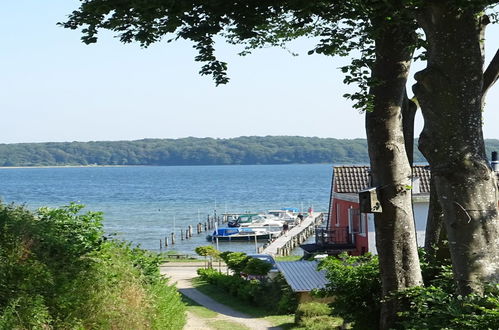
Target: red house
{"points": [[347, 229]]}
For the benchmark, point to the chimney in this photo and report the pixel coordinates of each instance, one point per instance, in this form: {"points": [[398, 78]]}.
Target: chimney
{"points": [[494, 163], [416, 185]]}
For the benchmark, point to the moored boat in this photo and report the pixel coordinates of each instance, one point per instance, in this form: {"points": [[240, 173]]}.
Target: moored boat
{"points": [[244, 233], [288, 215], [256, 220]]}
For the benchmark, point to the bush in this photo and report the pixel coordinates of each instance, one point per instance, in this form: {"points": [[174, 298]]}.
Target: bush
{"points": [[235, 261], [311, 309], [433, 308], [58, 271], [256, 266], [322, 323], [355, 284], [276, 295]]}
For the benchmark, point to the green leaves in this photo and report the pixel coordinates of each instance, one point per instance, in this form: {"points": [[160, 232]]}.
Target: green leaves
{"points": [[355, 284], [57, 271], [68, 233], [434, 308]]}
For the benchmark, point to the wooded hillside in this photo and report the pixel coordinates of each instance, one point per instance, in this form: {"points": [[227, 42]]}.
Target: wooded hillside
{"points": [[195, 151]]}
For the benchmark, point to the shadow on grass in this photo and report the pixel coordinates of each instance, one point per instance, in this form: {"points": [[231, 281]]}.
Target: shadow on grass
{"points": [[198, 309], [223, 297]]}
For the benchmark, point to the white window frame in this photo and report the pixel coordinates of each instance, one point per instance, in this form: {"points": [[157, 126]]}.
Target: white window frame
{"points": [[363, 224]]}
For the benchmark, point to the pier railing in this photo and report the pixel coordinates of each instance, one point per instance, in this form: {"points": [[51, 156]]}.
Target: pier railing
{"points": [[334, 237], [298, 234]]}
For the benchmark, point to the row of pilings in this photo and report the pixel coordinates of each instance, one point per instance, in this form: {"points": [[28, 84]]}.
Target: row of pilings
{"points": [[187, 232]]}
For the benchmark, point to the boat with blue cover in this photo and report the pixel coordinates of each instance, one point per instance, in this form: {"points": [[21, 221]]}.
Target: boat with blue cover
{"points": [[244, 233]]}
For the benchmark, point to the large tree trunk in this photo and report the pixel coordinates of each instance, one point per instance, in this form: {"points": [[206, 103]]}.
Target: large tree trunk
{"points": [[391, 172], [449, 91], [435, 236]]}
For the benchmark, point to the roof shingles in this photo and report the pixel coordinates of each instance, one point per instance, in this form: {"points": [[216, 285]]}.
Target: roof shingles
{"points": [[352, 179]]}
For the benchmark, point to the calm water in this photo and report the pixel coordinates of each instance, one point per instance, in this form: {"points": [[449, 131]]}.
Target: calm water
{"points": [[141, 204]]}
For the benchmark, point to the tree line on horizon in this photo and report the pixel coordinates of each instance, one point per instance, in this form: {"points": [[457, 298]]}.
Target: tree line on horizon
{"points": [[196, 151]]}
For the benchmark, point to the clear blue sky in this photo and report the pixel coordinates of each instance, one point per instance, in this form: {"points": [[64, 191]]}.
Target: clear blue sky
{"points": [[54, 88]]}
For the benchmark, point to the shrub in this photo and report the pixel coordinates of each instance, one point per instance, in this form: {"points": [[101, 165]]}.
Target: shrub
{"points": [[433, 308], [256, 266], [311, 309], [235, 261], [58, 271], [322, 323], [436, 271], [287, 300], [207, 251], [276, 295], [355, 284]]}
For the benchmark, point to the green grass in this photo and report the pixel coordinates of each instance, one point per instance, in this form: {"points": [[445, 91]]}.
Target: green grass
{"points": [[288, 258], [283, 321], [170, 256], [197, 309], [226, 325]]}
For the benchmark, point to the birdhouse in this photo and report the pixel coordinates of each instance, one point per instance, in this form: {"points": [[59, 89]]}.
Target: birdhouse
{"points": [[368, 200]]}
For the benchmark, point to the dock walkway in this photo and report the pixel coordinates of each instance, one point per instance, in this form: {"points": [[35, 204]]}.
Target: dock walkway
{"points": [[285, 243]]}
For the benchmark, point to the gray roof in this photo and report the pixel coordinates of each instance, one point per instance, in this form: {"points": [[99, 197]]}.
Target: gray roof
{"points": [[302, 276], [352, 179]]}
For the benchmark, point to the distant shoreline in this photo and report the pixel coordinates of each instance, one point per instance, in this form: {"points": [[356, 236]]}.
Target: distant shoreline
{"points": [[92, 166], [252, 150], [67, 166]]}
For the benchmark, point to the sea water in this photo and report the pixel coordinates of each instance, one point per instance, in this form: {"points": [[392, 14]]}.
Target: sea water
{"points": [[147, 203]]}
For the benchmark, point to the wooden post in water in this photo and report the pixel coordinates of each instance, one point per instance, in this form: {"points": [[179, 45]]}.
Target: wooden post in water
{"points": [[166, 241], [190, 231], [187, 233], [173, 238], [160, 244], [181, 234]]}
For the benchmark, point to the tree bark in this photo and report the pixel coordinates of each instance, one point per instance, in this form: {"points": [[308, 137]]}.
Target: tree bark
{"points": [[435, 235], [449, 92], [391, 172]]}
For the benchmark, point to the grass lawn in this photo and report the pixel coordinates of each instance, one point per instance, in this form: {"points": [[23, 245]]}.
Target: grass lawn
{"points": [[283, 321], [288, 258], [205, 313], [197, 309]]}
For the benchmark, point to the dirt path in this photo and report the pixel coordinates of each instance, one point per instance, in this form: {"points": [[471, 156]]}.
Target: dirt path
{"points": [[182, 274]]}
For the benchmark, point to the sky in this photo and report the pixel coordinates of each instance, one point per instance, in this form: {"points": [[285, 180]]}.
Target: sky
{"points": [[53, 88]]}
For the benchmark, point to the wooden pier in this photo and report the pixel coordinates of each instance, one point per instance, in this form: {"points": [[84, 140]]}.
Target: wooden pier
{"points": [[285, 243]]}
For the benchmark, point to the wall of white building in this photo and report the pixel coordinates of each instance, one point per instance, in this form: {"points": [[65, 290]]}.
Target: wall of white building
{"points": [[420, 217]]}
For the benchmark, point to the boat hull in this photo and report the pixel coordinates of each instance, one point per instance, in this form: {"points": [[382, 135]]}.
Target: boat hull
{"points": [[249, 238]]}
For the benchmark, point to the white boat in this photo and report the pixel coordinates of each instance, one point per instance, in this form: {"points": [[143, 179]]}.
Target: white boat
{"points": [[242, 234], [255, 220], [263, 220], [286, 215]]}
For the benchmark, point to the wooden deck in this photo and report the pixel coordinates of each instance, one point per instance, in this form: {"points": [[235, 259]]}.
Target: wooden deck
{"points": [[285, 243]]}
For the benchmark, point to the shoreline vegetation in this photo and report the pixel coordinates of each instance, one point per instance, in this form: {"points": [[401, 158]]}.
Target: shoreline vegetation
{"points": [[246, 150], [59, 271]]}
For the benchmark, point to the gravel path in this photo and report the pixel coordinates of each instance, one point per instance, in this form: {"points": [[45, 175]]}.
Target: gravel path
{"points": [[182, 274]]}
